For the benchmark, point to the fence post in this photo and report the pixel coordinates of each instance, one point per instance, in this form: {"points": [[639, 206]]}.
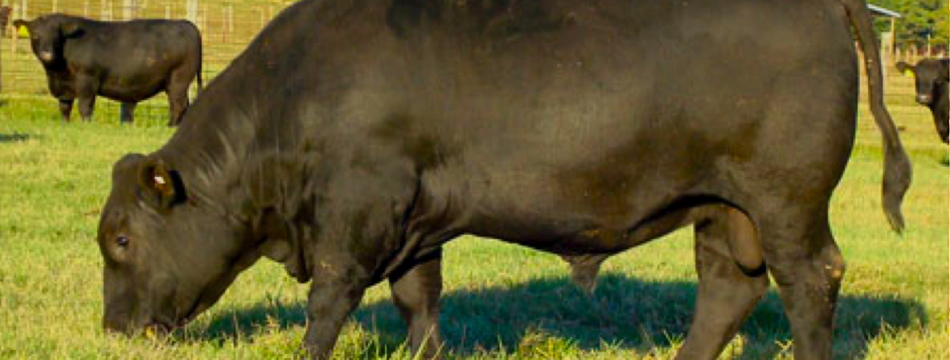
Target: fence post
{"points": [[887, 53], [14, 34], [13, 43], [191, 11], [930, 50], [229, 22], [5, 25], [128, 9], [104, 10]]}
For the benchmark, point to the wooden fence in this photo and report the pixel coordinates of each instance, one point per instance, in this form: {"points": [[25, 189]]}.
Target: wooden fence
{"points": [[227, 26]]}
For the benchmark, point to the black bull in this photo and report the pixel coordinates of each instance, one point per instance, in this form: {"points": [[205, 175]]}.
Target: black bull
{"points": [[352, 139], [932, 80], [127, 61]]}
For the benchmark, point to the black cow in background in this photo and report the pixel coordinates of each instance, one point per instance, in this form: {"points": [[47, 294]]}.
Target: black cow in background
{"points": [[931, 76], [5, 12], [125, 61]]}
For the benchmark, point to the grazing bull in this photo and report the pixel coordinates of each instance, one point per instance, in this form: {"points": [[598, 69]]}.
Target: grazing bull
{"points": [[353, 138], [931, 77], [125, 61]]}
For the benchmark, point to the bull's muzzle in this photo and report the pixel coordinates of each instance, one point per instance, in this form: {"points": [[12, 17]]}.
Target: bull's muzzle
{"points": [[46, 56], [149, 328]]}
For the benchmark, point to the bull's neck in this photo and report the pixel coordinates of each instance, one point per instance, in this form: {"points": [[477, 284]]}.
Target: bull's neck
{"points": [[211, 145], [940, 92], [57, 68]]}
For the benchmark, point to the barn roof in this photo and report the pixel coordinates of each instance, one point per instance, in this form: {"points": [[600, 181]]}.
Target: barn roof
{"points": [[877, 10]]}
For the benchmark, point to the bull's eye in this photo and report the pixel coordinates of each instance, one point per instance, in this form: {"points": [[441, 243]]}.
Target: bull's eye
{"points": [[122, 241]]}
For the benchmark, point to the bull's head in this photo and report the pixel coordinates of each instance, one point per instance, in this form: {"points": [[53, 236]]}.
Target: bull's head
{"points": [[929, 74], [166, 257], [48, 35]]}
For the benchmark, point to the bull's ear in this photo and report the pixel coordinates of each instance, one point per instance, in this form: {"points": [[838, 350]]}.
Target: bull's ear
{"points": [[904, 67], [71, 29], [160, 186]]}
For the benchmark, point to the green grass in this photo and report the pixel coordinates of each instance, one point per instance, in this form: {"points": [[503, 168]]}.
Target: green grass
{"points": [[501, 301]]}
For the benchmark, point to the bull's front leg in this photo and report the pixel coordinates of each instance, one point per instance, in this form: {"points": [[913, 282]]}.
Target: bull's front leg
{"points": [[339, 278], [332, 298], [86, 89], [65, 108], [359, 221]]}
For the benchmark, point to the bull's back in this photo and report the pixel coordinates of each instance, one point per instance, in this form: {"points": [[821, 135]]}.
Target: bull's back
{"points": [[598, 113], [617, 110]]}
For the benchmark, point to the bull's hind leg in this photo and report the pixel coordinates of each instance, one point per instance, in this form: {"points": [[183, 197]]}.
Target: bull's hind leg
{"points": [[726, 293], [416, 294], [807, 267], [128, 108], [177, 96]]}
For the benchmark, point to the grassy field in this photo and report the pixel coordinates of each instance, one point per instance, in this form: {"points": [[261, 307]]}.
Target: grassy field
{"points": [[501, 301]]}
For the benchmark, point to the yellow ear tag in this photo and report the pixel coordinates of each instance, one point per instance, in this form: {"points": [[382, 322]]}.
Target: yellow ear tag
{"points": [[150, 332]]}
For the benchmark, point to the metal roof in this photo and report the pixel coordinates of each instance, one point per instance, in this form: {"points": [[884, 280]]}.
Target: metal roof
{"points": [[876, 10]]}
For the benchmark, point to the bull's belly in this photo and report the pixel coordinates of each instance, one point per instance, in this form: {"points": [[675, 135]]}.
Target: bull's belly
{"points": [[550, 212], [130, 91]]}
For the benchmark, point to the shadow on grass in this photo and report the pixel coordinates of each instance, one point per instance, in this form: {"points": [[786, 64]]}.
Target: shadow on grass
{"points": [[623, 312], [14, 137]]}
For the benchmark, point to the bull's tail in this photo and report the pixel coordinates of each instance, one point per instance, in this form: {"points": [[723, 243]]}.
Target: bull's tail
{"points": [[897, 169]]}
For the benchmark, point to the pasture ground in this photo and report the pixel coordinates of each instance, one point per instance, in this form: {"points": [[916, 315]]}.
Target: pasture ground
{"points": [[500, 301]]}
